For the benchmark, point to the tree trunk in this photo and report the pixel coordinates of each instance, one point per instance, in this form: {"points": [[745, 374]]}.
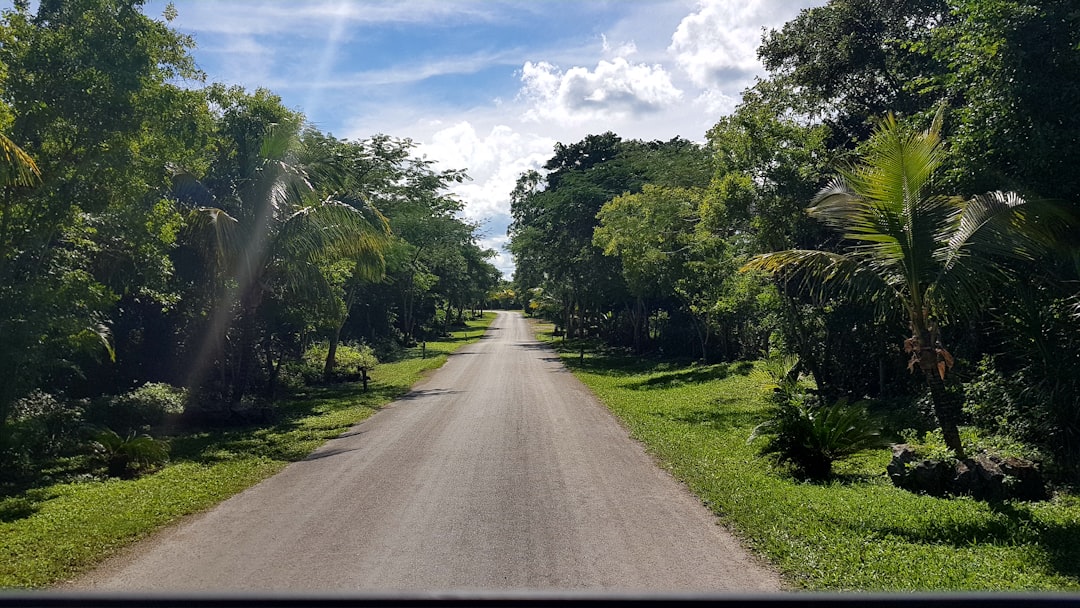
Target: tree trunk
{"points": [[331, 354], [946, 409]]}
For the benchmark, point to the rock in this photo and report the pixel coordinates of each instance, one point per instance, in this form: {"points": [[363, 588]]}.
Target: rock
{"points": [[902, 456], [923, 476], [1023, 479], [984, 477]]}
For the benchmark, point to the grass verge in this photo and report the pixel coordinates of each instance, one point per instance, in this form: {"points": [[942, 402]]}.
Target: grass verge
{"points": [[855, 533], [52, 533]]}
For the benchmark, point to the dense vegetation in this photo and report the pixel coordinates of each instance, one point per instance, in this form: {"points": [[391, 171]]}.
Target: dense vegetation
{"points": [[170, 251], [932, 144], [892, 210]]}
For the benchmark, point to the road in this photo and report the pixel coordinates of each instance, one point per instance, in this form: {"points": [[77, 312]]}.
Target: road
{"points": [[500, 471]]}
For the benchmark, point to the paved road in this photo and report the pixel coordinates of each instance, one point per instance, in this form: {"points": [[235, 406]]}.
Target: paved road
{"points": [[500, 471]]}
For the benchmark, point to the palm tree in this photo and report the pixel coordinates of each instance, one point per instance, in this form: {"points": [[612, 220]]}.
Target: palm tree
{"points": [[283, 234], [17, 169], [911, 251]]}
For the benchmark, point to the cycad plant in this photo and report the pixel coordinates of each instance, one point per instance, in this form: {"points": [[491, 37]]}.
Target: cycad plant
{"points": [[811, 436], [911, 250], [127, 456]]}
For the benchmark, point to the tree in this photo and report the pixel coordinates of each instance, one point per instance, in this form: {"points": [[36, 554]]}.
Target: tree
{"points": [[911, 250], [277, 231], [86, 90], [851, 60]]}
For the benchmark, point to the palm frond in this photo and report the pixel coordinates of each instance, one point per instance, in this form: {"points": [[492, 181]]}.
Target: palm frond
{"points": [[188, 190], [990, 223], [278, 141], [823, 274], [334, 230], [217, 233], [979, 234], [17, 168]]}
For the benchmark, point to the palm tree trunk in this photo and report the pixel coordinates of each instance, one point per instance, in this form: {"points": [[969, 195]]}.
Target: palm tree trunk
{"points": [[331, 354], [946, 408]]}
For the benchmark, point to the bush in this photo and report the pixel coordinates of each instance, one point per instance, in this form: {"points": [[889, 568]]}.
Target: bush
{"points": [[931, 445], [129, 456], [43, 426], [811, 437], [353, 362], [142, 408]]}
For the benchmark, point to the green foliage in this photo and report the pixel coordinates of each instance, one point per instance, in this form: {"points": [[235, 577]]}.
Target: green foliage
{"points": [[129, 456], [139, 409], [354, 361], [813, 436], [913, 252], [931, 445], [42, 428], [803, 431]]}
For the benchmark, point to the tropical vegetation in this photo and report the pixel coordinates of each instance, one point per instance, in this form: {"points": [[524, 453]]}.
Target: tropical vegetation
{"points": [[892, 208]]}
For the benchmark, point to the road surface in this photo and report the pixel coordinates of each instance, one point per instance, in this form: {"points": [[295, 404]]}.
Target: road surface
{"points": [[499, 472]]}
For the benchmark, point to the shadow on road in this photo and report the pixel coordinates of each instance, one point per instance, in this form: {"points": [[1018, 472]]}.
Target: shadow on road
{"points": [[428, 392], [319, 455]]}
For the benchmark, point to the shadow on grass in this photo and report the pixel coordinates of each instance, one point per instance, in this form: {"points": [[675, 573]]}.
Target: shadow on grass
{"points": [[694, 375], [715, 418], [15, 508], [1010, 525], [291, 436]]}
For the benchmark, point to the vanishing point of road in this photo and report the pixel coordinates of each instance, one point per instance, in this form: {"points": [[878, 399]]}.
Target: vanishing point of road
{"points": [[499, 472]]}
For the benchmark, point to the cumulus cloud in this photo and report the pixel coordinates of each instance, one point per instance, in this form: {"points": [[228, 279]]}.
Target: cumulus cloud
{"points": [[614, 89], [716, 46], [619, 50], [493, 160]]}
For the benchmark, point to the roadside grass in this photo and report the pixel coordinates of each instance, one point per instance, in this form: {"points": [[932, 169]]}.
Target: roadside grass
{"points": [[50, 534], [855, 533]]}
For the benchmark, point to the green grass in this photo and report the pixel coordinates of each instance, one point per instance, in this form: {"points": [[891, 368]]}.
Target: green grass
{"points": [[52, 533], [855, 533]]}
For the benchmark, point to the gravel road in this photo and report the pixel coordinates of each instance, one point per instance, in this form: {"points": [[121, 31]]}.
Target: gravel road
{"points": [[499, 472]]}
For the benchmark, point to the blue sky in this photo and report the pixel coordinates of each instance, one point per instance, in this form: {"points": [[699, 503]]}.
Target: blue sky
{"points": [[486, 85]]}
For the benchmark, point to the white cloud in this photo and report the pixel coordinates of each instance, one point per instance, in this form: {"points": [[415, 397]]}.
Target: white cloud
{"points": [[615, 89], [502, 259], [621, 50], [716, 46], [493, 161], [716, 102]]}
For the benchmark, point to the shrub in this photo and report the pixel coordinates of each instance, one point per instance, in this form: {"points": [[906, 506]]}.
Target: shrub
{"points": [[44, 426], [353, 362], [129, 456], [144, 407], [811, 437], [931, 445]]}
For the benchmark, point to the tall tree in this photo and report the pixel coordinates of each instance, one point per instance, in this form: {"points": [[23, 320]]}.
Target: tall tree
{"points": [[850, 61], [912, 250], [278, 232], [87, 91]]}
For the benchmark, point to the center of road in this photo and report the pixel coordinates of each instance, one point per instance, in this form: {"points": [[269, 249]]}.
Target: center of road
{"points": [[501, 471]]}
